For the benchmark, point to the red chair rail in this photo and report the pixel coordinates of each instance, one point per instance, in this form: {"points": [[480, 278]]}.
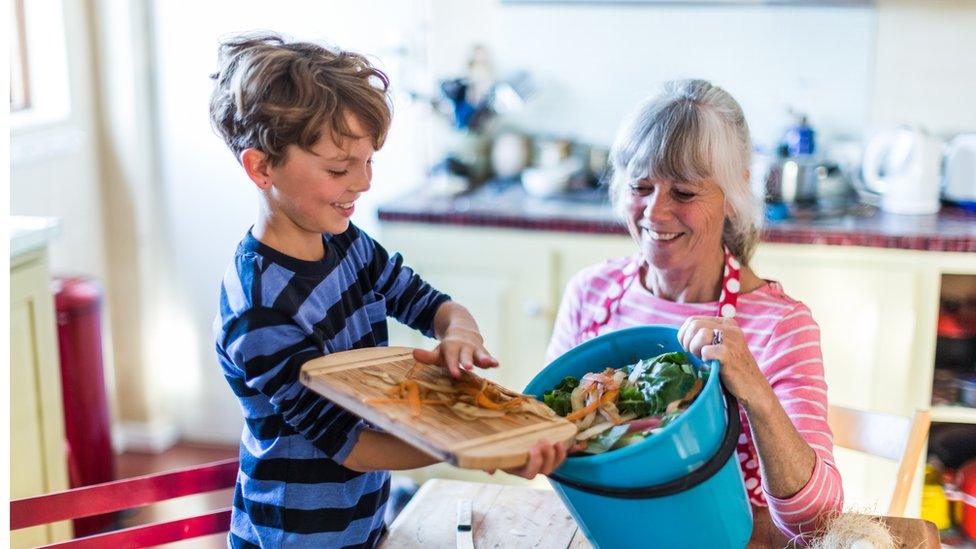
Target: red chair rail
{"points": [[129, 493]]}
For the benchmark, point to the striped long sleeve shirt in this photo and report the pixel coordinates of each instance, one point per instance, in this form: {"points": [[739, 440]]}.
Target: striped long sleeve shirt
{"points": [[276, 313], [785, 341]]}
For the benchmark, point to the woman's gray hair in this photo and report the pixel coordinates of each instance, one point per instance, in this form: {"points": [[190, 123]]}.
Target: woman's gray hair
{"points": [[691, 131]]}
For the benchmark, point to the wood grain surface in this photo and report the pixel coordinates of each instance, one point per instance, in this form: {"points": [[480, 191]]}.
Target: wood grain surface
{"points": [[484, 443], [515, 516]]}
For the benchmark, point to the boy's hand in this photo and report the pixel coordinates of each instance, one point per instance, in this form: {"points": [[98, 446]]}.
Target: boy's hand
{"points": [[544, 458], [461, 347]]}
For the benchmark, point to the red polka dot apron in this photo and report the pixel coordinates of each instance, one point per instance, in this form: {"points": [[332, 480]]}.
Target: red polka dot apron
{"points": [[727, 302]]}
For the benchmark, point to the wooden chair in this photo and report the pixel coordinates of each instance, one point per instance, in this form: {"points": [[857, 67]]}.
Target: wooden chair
{"points": [[128, 493], [890, 436]]}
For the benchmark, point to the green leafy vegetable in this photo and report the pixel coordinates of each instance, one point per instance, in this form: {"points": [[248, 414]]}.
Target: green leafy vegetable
{"points": [[651, 385], [606, 441], [631, 401], [559, 398]]}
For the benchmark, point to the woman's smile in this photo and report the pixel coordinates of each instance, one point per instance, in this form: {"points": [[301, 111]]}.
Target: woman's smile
{"points": [[661, 236]]}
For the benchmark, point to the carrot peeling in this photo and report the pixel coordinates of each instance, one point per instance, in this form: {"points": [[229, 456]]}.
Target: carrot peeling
{"points": [[413, 395]]}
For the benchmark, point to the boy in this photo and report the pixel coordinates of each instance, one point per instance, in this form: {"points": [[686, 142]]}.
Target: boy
{"points": [[304, 122]]}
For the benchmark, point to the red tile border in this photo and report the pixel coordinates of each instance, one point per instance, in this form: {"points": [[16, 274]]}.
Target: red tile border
{"points": [[784, 234]]}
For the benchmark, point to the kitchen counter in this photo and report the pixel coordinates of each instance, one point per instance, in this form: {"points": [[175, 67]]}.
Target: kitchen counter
{"points": [[951, 230], [31, 233]]}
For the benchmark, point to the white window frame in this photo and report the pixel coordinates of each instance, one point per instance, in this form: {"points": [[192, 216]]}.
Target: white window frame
{"points": [[19, 82], [47, 67]]}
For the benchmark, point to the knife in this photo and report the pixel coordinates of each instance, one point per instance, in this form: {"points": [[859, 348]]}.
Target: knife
{"points": [[464, 539]]}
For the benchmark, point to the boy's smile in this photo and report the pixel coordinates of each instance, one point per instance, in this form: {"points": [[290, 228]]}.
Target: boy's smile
{"points": [[312, 192]]}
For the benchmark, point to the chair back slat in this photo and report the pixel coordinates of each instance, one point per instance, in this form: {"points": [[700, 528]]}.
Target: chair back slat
{"points": [[897, 438], [122, 494], [151, 535], [914, 452], [875, 433]]}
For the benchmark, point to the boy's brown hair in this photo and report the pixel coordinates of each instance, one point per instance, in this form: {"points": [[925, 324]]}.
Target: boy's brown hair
{"points": [[271, 93]]}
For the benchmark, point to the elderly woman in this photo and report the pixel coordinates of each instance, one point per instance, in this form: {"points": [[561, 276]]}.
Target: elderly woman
{"points": [[681, 184]]}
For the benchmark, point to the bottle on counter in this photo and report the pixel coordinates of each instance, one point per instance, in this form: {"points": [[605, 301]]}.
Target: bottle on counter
{"points": [[800, 138]]}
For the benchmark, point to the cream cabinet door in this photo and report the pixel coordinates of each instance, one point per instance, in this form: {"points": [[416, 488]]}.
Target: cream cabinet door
{"points": [[37, 459], [505, 282], [877, 313], [873, 310], [574, 253]]}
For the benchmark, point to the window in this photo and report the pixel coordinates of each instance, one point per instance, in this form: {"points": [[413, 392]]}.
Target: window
{"points": [[40, 92]]}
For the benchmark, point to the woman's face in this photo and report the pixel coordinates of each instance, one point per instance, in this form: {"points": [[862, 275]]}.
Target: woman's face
{"points": [[676, 225]]}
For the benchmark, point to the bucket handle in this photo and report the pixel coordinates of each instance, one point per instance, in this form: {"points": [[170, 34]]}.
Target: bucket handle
{"points": [[683, 483]]}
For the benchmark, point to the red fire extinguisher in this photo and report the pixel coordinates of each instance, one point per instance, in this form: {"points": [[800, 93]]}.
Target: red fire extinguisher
{"points": [[966, 482], [91, 460]]}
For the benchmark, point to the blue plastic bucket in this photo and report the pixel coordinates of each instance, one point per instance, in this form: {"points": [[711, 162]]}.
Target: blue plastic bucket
{"points": [[682, 486]]}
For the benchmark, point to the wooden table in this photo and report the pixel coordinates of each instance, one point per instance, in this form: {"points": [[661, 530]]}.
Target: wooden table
{"points": [[511, 516]]}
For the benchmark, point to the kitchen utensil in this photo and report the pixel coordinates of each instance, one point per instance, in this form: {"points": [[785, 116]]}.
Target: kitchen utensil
{"points": [[485, 443], [550, 152], [509, 155], [800, 138], [550, 181], [464, 537], [959, 177], [804, 183], [902, 167]]}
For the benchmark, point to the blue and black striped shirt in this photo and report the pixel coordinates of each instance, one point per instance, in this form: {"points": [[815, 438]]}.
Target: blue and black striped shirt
{"points": [[276, 313]]}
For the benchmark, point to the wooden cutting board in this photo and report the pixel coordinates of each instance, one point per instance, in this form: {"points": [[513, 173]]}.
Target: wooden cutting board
{"points": [[483, 443]]}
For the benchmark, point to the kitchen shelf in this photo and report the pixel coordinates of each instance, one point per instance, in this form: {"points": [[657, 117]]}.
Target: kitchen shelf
{"points": [[953, 414]]}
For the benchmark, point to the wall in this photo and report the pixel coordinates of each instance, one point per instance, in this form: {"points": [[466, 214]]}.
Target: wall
{"points": [[209, 202], [925, 69], [595, 62], [143, 302]]}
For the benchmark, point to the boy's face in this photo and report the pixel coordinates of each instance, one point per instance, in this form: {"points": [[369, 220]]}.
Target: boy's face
{"points": [[317, 189]]}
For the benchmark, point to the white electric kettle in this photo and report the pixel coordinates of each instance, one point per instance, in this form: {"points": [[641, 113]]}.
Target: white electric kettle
{"points": [[903, 167], [959, 177]]}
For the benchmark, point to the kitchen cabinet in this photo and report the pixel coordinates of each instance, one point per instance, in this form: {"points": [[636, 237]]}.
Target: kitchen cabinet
{"points": [[506, 283], [37, 450], [877, 309]]}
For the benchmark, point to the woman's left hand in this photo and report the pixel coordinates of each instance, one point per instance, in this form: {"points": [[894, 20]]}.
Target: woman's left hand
{"points": [[740, 372]]}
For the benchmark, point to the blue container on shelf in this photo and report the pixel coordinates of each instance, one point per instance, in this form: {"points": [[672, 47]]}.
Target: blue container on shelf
{"points": [[680, 487]]}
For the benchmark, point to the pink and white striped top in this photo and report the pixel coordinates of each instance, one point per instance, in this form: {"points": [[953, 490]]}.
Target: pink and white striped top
{"points": [[785, 341]]}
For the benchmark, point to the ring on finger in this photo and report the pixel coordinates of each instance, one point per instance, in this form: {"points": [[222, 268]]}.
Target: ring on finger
{"points": [[717, 336]]}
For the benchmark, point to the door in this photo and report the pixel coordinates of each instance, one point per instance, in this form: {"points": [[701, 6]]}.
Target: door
{"points": [[37, 452]]}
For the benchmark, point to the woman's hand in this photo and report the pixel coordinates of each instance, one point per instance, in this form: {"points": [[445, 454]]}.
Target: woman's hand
{"points": [[544, 458], [740, 372], [787, 461], [460, 347]]}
